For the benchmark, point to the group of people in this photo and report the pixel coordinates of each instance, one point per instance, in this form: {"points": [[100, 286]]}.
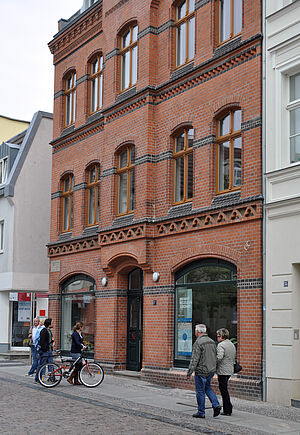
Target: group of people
{"points": [[208, 359], [41, 342]]}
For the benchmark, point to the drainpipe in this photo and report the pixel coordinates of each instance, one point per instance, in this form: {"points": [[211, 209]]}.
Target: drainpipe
{"points": [[264, 383]]}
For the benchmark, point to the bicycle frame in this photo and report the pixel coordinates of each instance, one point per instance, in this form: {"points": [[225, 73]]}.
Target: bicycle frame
{"points": [[73, 364]]}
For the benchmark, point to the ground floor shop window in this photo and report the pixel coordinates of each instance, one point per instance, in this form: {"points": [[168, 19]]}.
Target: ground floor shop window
{"points": [[78, 305], [205, 292]]}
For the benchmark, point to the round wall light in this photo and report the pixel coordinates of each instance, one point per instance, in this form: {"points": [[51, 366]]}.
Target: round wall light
{"points": [[155, 276], [104, 281]]}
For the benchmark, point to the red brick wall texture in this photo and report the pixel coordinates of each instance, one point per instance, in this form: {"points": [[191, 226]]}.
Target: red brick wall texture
{"points": [[158, 236]]}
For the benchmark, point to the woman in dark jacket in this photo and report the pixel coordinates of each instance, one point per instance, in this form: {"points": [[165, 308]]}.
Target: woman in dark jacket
{"points": [[76, 348]]}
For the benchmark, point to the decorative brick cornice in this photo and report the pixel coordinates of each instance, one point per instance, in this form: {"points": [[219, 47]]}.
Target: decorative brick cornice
{"points": [[72, 246], [81, 29], [120, 235], [81, 134], [178, 225], [208, 220]]}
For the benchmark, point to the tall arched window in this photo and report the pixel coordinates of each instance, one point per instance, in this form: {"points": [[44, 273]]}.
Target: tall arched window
{"points": [[96, 83], [67, 202], [70, 99], [128, 56], [78, 305], [93, 199], [125, 176], [229, 142], [205, 292], [230, 19], [183, 168], [185, 32]]}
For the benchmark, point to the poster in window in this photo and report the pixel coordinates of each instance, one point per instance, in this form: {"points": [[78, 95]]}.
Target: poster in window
{"points": [[24, 311], [184, 322]]}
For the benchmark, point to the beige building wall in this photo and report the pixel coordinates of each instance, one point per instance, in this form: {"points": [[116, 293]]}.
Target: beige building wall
{"points": [[11, 127], [282, 204]]}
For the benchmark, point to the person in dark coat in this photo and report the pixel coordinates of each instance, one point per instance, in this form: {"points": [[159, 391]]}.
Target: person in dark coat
{"points": [[76, 349], [46, 346]]}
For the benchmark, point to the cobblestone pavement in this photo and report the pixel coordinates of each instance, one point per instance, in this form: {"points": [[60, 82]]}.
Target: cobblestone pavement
{"points": [[123, 405]]}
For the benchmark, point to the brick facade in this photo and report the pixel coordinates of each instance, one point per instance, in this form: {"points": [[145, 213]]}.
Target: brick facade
{"points": [[158, 235]]}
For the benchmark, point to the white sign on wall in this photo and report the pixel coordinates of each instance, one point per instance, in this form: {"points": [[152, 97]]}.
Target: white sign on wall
{"points": [[13, 296]]}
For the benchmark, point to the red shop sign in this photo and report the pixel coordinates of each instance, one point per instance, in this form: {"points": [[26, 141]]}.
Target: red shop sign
{"points": [[25, 297]]}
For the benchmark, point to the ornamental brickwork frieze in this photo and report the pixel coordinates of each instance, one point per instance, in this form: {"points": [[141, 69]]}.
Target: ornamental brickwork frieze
{"points": [[71, 247], [80, 31]]}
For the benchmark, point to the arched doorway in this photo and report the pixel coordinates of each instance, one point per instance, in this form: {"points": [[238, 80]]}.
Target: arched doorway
{"points": [[135, 320], [205, 292], [78, 305]]}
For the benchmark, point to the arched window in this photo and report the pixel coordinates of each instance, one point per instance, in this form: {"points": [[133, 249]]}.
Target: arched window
{"points": [[67, 202], [125, 176], [93, 197], [230, 19], [96, 83], [78, 305], [185, 32], [229, 142], [70, 99], [183, 166], [128, 55], [205, 292]]}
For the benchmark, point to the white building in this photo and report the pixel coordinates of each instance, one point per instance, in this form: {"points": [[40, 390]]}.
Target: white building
{"points": [[25, 166], [282, 167]]}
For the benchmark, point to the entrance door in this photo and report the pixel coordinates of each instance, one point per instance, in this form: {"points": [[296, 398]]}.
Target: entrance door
{"points": [[134, 320]]}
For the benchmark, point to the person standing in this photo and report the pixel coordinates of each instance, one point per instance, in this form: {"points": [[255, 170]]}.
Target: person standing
{"points": [[76, 348], [226, 354], [203, 363], [46, 345], [32, 333]]}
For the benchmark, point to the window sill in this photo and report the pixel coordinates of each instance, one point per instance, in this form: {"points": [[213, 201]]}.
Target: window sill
{"points": [[67, 130], [127, 93], [182, 69], [227, 46]]}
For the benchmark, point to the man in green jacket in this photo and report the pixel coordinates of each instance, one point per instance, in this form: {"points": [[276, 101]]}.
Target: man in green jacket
{"points": [[204, 363]]}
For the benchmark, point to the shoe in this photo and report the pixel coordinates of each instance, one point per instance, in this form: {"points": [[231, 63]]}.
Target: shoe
{"points": [[198, 416], [36, 382], [226, 413], [217, 411]]}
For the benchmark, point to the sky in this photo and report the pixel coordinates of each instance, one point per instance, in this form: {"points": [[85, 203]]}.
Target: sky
{"points": [[26, 64]]}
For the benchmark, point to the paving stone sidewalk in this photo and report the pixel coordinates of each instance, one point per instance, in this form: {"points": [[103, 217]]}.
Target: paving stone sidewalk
{"points": [[168, 410]]}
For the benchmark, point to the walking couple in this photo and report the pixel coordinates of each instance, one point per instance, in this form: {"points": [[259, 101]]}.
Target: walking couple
{"points": [[206, 360]]}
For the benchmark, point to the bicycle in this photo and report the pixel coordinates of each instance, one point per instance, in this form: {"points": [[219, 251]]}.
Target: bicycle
{"points": [[91, 373]]}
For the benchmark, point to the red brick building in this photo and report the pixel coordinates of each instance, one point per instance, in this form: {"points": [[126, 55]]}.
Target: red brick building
{"points": [[156, 217]]}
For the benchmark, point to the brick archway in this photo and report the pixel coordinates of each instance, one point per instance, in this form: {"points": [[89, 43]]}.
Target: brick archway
{"points": [[207, 250]]}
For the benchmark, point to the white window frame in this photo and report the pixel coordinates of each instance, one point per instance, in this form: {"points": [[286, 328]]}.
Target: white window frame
{"points": [[3, 170], [283, 72], [291, 106], [1, 237]]}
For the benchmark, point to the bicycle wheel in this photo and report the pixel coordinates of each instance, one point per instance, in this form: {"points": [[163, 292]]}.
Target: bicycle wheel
{"points": [[91, 374], [49, 375]]}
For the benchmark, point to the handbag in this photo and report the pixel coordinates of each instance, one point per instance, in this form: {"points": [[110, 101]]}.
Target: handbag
{"points": [[237, 367]]}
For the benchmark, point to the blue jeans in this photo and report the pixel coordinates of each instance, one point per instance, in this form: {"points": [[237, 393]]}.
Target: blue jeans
{"points": [[35, 357], [45, 357], [202, 387]]}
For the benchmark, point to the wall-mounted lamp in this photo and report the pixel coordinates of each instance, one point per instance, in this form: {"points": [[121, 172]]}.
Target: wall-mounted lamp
{"points": [[104, 281], [155, 276]]}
